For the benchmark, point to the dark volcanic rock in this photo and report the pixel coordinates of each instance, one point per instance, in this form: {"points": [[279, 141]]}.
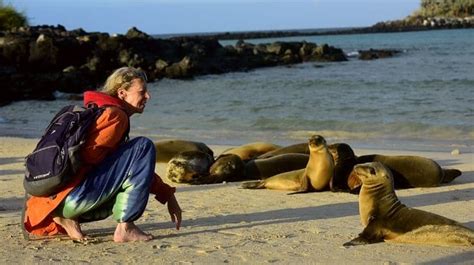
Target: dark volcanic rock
{"points": [[136, 33], [36, 61], [376, 54]]}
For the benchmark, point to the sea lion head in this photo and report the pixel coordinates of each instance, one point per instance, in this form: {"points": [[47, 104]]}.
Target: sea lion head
{"points": [[189, 167], [376, 195], [227, 167], [373, 173], [344, 161], [316, 143]]}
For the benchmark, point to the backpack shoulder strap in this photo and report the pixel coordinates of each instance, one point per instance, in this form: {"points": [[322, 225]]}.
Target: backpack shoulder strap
{"points": [[65, 109]]}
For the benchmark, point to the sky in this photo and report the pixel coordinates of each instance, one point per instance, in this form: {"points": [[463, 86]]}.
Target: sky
{"points": [[199, 16]]}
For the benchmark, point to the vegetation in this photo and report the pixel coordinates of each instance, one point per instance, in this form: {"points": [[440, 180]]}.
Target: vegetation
{"points": [[446, 8], [10, 18]]}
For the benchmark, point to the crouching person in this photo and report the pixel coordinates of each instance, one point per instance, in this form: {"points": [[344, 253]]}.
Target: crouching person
{"points": [[117, 175]]}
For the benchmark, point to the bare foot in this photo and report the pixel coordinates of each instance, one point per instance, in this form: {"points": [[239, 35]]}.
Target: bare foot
{"points": [[72, 227], [126, 232]]}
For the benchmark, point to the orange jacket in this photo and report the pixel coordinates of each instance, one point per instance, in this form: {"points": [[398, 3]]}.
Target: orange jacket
{"points": [[103, 138]]}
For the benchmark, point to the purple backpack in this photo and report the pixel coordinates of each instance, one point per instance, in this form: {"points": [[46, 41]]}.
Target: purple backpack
{"points": [[55, 160]]}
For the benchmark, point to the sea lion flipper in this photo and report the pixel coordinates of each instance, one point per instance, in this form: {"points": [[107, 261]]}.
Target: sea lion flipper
{"points": [[368, 236], [304, 186], [357, 241], [450, 174], [257, 184], [371, 234], [297, 192]]}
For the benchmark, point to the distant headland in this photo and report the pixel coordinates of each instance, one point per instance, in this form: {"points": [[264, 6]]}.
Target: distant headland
{"points": [[432, 15], [419, 24]]}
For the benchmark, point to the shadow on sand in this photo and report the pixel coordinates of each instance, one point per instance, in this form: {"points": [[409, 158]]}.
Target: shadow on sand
{"points": [[459, 258], [293, 215]]}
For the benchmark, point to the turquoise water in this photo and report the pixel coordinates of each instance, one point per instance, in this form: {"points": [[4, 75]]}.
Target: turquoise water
{"points": [[421, 99]]}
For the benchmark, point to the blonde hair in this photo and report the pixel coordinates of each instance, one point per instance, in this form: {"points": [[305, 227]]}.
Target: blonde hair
{"points": [[122, 78]]}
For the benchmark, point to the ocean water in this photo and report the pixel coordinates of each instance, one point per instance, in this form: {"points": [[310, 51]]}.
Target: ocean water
{"points": [[421, 99]]}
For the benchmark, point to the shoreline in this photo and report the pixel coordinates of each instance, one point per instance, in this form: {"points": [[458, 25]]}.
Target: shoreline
{"points": [[381, 27], [355, 140], [76, 74], [375, 144], [225, 224]]}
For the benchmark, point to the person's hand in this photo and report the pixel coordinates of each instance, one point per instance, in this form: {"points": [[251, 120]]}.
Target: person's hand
{"points": [[175, 211]]}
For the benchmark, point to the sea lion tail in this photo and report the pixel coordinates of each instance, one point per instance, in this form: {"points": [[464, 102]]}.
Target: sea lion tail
{"points": [[257, 184], [450, 174]]}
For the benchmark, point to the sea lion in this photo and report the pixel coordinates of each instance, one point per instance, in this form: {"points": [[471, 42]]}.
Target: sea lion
{"points": [[301, 148], [314, 177], [167, 149], [343, 156], [344, 161], [251, 150], [262, 168], [226, 167], [409, 171], [385, 218], [189, 167]]}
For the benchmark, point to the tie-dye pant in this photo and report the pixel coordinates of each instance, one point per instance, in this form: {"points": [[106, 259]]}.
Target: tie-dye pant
{"points": [[119, 186]]}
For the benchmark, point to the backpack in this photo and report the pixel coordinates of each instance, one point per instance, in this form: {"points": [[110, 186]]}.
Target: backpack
{"points": [[55, 159]]}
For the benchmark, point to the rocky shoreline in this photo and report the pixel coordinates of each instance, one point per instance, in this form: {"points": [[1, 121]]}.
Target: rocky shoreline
{"points": [[37, 61]]}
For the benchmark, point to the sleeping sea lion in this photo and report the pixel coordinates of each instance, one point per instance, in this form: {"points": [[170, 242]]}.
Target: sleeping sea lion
{"points": [[196, 167], [251, 150], [385, 218], [167, 149], [314, 177], [262, 168], [189, 167], [226, 167], [409, 171], [301, 148]]}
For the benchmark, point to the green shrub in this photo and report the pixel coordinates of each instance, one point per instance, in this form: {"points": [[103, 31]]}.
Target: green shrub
{"points": [[10, 18], [446, 8]]}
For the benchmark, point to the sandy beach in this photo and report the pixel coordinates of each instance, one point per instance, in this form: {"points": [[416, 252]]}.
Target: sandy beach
{"points": [[225, 224]]}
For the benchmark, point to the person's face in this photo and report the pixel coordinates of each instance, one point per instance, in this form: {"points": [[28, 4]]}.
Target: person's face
{"points": [[136, 96]]}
